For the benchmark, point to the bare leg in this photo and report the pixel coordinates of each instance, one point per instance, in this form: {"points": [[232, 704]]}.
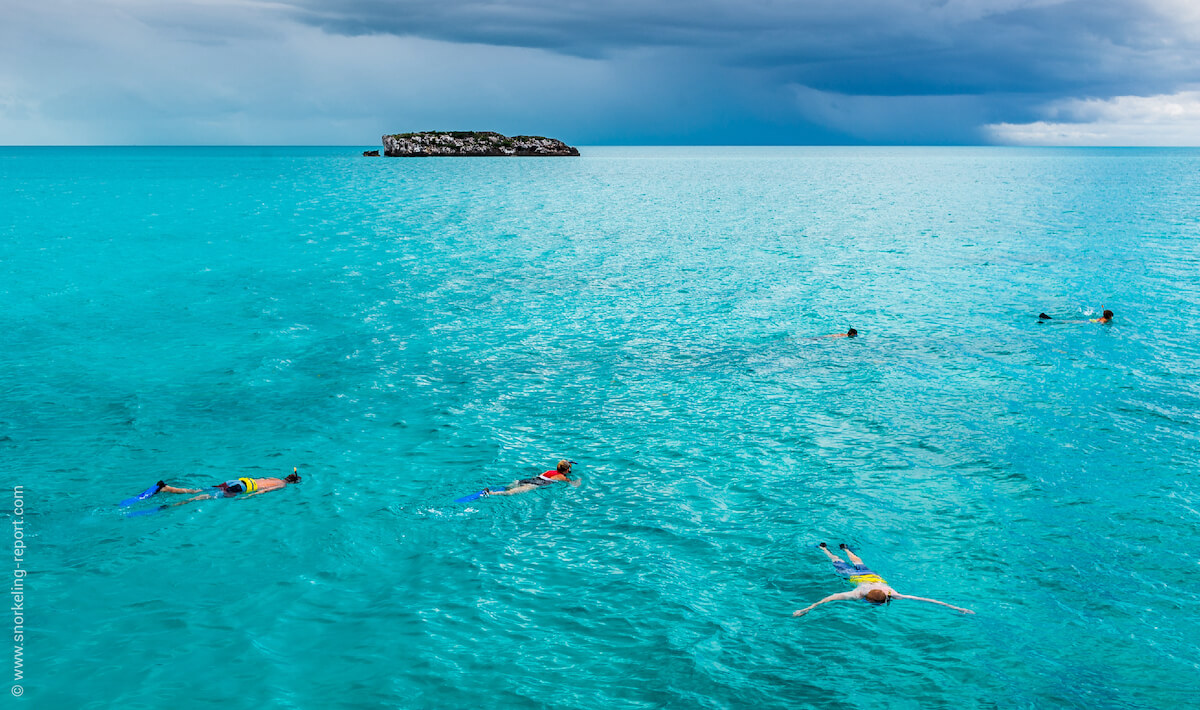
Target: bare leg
{"points": [[832, 557], [173, 489], [514, 490], [191, 500], [853, 557]]}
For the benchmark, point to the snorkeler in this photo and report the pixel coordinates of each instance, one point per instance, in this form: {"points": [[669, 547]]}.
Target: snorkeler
{"points": [[232, 488], [871, 586], [559, 475], [852, 333], [1106, 317]]}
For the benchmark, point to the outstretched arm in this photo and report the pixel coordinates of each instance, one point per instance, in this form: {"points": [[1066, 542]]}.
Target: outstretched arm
{"points": [[831, 598], [932, 601]]}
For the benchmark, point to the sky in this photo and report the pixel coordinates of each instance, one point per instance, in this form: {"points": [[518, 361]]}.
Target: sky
{"points": [[602, 72]]}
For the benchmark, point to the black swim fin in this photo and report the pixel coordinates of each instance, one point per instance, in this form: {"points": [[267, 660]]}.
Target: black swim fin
{"points": [[1043, 316]]}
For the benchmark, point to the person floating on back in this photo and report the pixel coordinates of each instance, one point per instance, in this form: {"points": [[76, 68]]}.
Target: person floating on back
{"points": [[1105, 318], [871, 586], [561, 474], [232, 488]]}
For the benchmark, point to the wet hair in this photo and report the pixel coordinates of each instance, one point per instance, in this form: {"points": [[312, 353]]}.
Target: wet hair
{"points": [[1108, 315], [877, 596], [292, 478], [851, 333], [564, 466]]}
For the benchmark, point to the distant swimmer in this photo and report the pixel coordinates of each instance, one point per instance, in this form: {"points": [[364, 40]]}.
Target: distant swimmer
{"points": [[232, 488], [871, 586], [561, 474], [852, 333], [1106, 317]]}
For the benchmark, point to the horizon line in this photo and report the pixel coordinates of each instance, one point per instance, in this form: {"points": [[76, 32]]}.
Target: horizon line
{"points": [[608, 145]]}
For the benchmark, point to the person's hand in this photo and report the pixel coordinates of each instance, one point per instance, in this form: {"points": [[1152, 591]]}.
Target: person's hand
{"points": [[967, 611], [802, 612], [576, 482]]}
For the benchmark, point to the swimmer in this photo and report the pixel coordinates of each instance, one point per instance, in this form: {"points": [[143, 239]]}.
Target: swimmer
{"points": [[1106, 317], [871, 586], [852, 333], [559, 475], [232, 488]]}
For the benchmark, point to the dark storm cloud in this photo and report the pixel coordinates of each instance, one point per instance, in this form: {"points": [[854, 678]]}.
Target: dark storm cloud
{"points": [[603, 71], [880, 47]]}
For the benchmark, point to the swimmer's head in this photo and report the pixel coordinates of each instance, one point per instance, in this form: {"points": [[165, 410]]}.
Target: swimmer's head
{"points": [[1108, 315], [877, 596], [851, 333], [564, 467], [292, 478]]}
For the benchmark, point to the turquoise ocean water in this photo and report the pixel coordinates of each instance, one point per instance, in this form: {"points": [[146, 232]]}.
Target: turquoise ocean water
{"points": [[409, 331]]}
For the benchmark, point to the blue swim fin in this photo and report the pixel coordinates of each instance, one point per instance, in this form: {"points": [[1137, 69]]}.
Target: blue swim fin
{"points": [[473, 496], [143, 495]]}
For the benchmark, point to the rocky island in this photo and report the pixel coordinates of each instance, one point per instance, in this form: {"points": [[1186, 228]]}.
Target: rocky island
{"points": [[471, 143]]}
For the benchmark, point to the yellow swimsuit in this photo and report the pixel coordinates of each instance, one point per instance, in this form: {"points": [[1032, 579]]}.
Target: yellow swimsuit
{"points": [[857, 574], [867, 579]]}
